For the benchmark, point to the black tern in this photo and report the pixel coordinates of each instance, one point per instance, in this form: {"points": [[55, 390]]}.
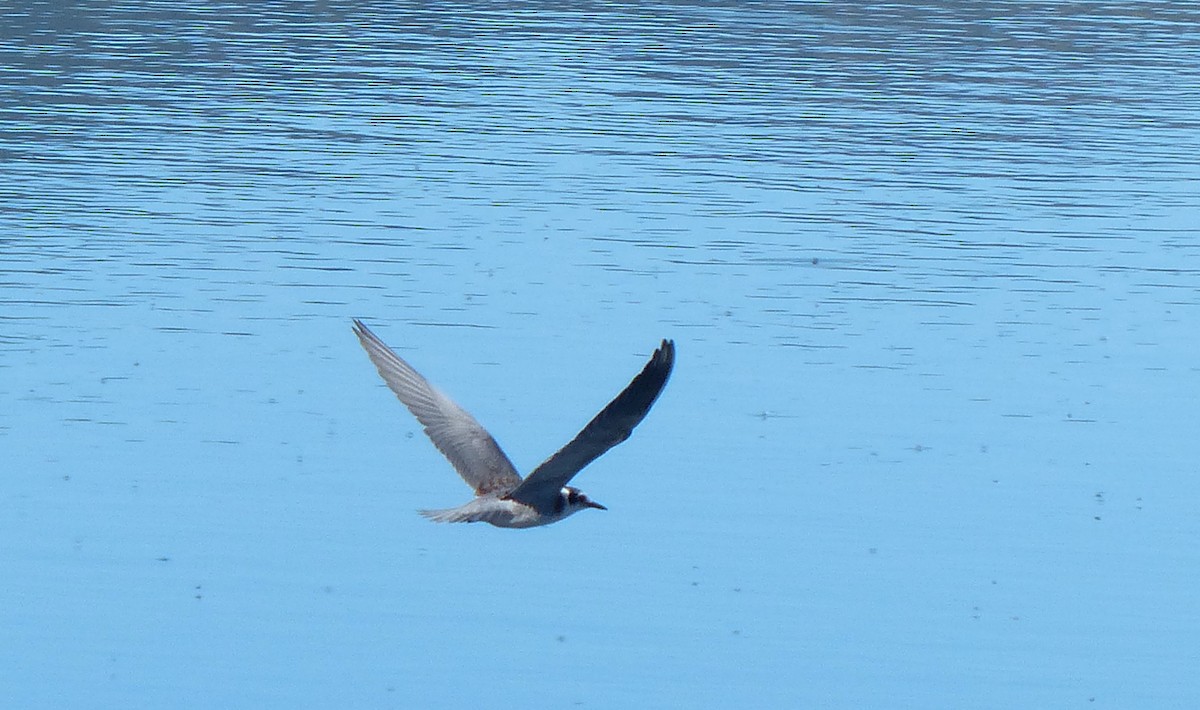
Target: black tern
{"points": [[502, 497]]}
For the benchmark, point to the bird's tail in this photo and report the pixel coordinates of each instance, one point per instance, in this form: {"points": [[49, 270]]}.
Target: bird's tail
{"points": [[451, 515]]}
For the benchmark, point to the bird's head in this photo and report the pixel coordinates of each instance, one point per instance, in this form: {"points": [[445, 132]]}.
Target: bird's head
{"points": [[573, 500]]}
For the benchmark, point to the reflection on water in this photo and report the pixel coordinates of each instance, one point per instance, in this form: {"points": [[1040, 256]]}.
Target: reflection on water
{"points": [[875, 137], [968, 221]]}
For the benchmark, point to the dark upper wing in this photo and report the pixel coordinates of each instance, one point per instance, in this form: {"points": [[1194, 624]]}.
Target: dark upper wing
{"points": [[472, 451], [610, 427]]}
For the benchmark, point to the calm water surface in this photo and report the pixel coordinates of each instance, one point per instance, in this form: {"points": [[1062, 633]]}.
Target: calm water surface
{"points": [[933, 271]]}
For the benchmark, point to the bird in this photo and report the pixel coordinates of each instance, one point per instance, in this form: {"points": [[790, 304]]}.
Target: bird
{"points": [[502, 497]]}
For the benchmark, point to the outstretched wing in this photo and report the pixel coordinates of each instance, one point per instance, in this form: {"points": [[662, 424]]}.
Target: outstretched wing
{"points": [[471, 449], [610, 427]]}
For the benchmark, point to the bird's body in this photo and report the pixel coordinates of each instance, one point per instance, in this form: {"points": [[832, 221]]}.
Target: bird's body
{"points": [[502, 497], [505, 512]]}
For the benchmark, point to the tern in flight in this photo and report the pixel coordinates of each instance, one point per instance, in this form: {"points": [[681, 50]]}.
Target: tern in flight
{"points": [[502, 497]]}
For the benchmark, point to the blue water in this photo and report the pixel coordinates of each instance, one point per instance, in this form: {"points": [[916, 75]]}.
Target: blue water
{"points": [[933, 271]]}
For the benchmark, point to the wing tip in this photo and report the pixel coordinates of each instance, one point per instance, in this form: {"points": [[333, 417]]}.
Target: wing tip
{"points": [[664, 356]]}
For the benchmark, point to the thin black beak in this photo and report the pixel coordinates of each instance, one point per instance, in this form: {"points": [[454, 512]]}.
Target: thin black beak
{"points": [[594, 504]]}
